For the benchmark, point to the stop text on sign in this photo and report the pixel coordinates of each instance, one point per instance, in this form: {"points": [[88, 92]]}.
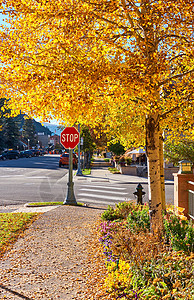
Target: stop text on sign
{"points": [[69, 137]]}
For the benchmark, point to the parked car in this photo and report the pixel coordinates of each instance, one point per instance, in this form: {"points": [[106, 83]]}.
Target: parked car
{"points": [[22, 154], [28, 153], [3, 156], [64, 160], [35, 152], [42, 152], [10, 154]]}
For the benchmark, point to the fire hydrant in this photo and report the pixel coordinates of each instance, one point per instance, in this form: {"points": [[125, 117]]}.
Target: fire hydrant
{"points": [[139, 193]]}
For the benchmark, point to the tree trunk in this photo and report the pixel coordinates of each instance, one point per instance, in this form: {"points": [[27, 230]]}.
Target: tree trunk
{"points": [[161, 143], [152, 149]]}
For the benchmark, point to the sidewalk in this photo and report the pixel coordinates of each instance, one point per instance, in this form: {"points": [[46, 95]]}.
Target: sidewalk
{"points": [[58, 257], [103, 174]]}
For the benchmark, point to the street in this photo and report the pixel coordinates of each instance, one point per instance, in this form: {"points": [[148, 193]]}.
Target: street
{"points": [[31, 180], [39, 179]]}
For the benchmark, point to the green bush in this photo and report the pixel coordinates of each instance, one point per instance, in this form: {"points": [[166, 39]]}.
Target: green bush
{"points": [[111, 214], [107, 160], [114, 170], [139, 219], [179, 232], [121, 211], [128, 161], [141, 266]]}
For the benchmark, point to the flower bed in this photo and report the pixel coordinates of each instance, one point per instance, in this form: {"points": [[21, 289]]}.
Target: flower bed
{"points": [[140, 266]]}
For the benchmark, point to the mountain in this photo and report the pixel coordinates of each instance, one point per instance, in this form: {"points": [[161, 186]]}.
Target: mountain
{"points": [[54, 128], [38, 126]]}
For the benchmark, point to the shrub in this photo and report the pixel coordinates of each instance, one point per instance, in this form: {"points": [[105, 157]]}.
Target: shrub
{"points": [[128, 161], [139, 219], [121, 211], [107, 160], [121, 160], [169, 276], [111, 214], [141, 266], [179, 232], [114, 170]]}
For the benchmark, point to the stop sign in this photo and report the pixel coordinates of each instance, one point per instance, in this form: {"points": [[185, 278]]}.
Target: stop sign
{"points": [[69, 137]]}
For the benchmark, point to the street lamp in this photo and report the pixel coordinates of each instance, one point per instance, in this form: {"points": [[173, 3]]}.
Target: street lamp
{"points": [[28, 144], [185, 167]]}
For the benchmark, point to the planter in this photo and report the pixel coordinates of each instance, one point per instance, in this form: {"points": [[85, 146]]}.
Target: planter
{"points": [[128, 170]]}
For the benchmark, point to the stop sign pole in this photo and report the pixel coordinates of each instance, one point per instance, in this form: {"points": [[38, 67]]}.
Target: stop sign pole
{"points": [[69, 139]]}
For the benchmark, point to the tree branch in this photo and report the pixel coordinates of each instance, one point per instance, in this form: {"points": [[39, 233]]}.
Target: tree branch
{"points": [[109, 21], [138, 36], [175, 108], [174, 77], [173, 36], [177, 56]]}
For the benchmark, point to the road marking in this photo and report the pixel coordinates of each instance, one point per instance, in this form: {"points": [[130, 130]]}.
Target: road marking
{"points": [[104, 187], [8, 176], [36, 177], [102, 191], [103, 197], [96, 201]]}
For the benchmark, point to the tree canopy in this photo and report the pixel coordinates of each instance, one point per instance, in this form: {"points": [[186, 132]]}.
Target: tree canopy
{"points": [[29, 132], [126, 65], [175, 152], [9, 130], [84, 61]]}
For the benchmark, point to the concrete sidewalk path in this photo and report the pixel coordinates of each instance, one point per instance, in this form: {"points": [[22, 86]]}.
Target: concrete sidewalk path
{"points": [[58, 257]]}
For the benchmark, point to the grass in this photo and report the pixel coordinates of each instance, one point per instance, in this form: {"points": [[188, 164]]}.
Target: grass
{"points": [[86, 171], [45, 203], [11, 226], [114, 170], [50, 203]]}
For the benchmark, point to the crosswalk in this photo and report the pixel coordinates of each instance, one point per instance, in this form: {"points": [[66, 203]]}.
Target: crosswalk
{"points": [[102, 194]]}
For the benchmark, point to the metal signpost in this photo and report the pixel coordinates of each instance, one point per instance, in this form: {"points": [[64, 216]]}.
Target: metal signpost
{"points": [[79, 171], [69, 139]]}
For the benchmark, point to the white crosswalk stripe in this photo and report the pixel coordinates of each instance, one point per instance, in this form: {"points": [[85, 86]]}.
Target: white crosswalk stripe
{"points": [[102, 191], [97, 201], [102, 194], [103, 187]]}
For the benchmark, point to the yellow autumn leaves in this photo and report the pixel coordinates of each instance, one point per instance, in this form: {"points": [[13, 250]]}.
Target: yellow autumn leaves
{"points": [[67, 59]]}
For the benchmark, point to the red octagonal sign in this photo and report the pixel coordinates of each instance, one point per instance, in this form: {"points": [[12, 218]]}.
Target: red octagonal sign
{"points": [[69, 137]]}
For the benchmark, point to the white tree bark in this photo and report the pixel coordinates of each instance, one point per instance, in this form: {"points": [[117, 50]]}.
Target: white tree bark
{"points": [[153, 154], [162, 181]]}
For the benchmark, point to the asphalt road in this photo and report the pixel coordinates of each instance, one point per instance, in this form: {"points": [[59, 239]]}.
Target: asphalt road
{"points": [[31, 180], [40, 179]]}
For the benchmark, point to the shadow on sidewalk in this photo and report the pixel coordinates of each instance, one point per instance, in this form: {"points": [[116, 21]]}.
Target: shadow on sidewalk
{"points": [[94, 207], [14, 292]]}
